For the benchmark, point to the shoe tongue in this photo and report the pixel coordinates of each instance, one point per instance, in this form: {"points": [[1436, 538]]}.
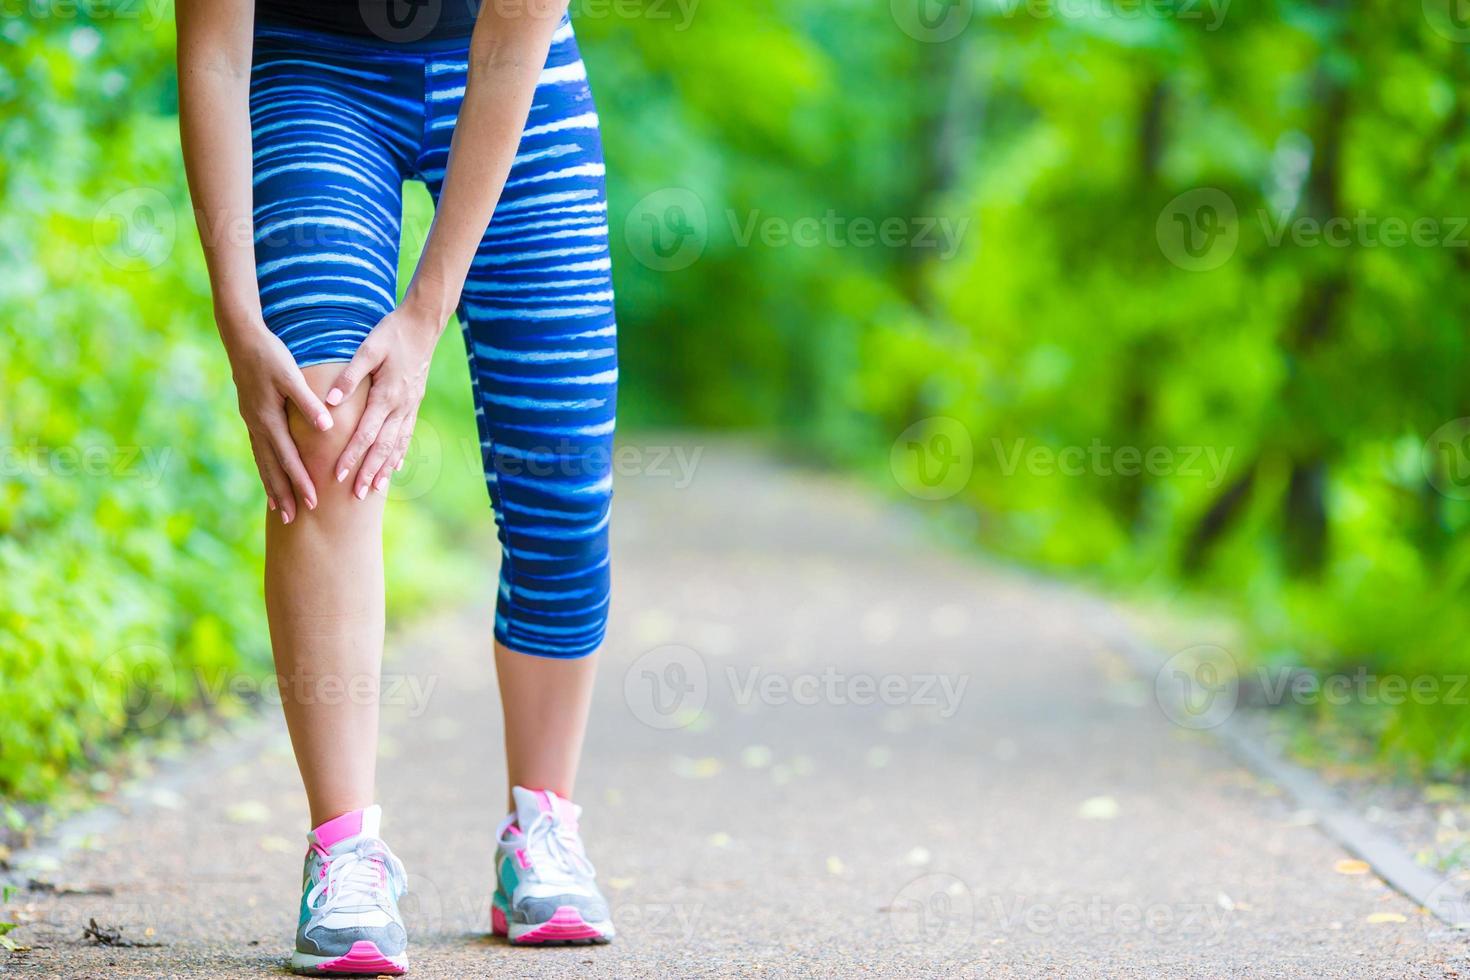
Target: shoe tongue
{"points": [[531, 803], [346, 830]]}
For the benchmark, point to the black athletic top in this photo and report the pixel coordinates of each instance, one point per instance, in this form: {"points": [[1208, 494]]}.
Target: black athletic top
{"points": [[391, 20]]}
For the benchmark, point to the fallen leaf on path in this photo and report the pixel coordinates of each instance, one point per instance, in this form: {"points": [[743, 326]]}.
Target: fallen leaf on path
{"points": [[835, 865], [949, 620], [1351, 866], [444, 729], [696, 768], [1098, 808], [1377, 917], [919, 855], [250, 811], [719, 839], [276, 844], [755, 757], [1441, 793], [166, 799], [653, 626], [621, 884]]}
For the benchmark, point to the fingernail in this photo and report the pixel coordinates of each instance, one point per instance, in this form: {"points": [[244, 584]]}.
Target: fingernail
{"points": [[311, 503], [334, 397], [285, 517], [382, 482], [398, 465], [362, 492], [342, 474], [270, 502], [324, 421]]}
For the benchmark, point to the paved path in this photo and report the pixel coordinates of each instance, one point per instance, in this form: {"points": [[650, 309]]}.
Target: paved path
{"points": [[937, 768]]}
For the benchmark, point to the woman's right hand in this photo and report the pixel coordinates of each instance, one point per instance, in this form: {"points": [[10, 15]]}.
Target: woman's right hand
{"points": [[266, 378]]}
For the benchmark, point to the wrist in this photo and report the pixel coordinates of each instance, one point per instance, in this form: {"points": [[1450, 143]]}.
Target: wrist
{"points": [[429, 304], [239, 321]]}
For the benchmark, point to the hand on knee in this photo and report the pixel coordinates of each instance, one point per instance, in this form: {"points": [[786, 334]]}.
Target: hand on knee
{"points": [[320, 451]]}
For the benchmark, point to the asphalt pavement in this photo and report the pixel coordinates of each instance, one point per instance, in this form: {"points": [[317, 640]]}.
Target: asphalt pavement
{"points": [[823, 745]]}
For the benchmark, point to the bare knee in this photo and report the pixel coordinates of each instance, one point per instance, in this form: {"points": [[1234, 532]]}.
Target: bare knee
{"points": [[319, 450]]}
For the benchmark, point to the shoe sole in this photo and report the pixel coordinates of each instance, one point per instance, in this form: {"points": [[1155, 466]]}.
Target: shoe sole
{"points": [[363, 959], [565, 928]]}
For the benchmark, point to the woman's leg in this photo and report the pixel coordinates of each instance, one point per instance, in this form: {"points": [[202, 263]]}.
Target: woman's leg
{"points": [[539, 326], [324, 597], [331, 141], [546, 703]]}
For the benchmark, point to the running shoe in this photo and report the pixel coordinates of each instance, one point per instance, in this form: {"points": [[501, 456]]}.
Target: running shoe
{"points": [[349, 903], [545, 888]]}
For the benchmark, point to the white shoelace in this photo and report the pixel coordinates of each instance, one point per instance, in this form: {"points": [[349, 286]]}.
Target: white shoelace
{"points": [[356, 878], [549, 838]]}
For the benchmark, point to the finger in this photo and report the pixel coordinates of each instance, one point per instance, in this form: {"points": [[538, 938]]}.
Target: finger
{"points": [[290, 460], [306, 401], [363, 363], [362, 440], [374, 472], [405, 439], [277, 484]]}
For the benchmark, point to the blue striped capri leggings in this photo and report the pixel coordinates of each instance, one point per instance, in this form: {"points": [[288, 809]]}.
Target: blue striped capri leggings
{"points": [[338, 123]]}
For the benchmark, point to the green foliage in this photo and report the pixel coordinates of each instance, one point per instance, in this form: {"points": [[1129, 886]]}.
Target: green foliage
{"points": [[130, 514], [1312, 357], [1062, 177]]}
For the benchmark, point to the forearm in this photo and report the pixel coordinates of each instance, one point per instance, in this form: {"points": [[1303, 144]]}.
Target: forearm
{"points": [[507, 53], [214, 125]]}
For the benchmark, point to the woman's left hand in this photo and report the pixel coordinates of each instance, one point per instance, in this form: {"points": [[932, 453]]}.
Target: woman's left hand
{"points": [[396, 356]]}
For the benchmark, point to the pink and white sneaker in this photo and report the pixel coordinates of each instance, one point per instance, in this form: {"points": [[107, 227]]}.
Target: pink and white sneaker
{"points": [[545, 888], [349, 902]]}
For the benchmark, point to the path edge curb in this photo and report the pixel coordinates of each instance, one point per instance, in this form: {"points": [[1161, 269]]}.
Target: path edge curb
{"points": [[1333, 815]]}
